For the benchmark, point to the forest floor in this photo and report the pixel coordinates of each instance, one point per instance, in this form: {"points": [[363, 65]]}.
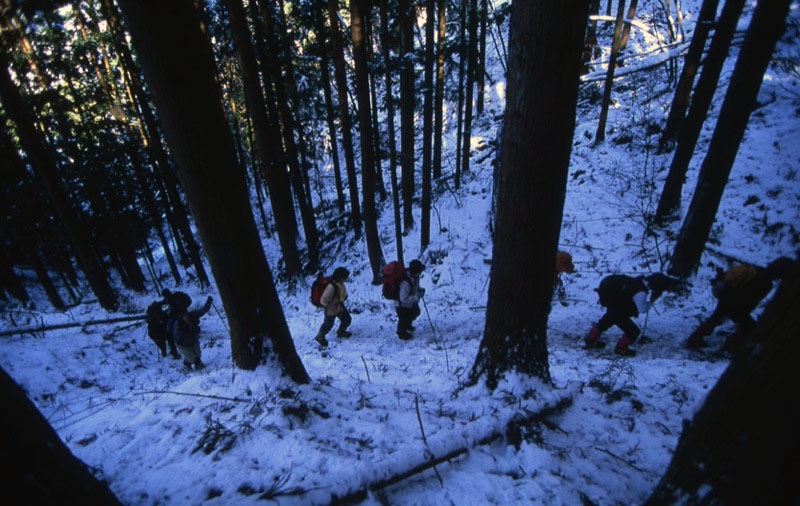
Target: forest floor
{"points": [[378, 406]]}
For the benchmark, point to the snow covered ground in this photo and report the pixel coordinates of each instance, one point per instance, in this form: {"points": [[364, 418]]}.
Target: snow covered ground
{"points": [[161, 435]]}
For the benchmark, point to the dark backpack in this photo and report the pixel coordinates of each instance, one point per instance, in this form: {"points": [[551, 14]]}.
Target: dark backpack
{"points": [[318, 287], [618, 290], [392, 273], [184, 333]]}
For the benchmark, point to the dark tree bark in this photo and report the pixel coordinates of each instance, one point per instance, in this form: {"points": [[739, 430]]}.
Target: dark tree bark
{"points": [[481, 70], [600, 135], [8, 278], [265, 137], [438, 100], [407, 15], [701, 101], [330, 115], [462, 52], [545, 39], [385, 43], [765, 29], [44, 470], [178, 63], [427, 127], [472, 63], [680, 100], [344, 113], [590, 42], [46, 281], [373, 93], [741, 447], [44, 165], [358, 10]]}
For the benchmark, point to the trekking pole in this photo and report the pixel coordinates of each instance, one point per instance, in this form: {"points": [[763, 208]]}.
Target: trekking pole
{"points": [[446, 357], [214, 305]]}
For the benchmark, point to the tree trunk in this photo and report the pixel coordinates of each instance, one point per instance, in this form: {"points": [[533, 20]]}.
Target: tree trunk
{"points": [[46, 282], [472, 61], [438, 100], [600, 136], [8, 278], [626, 30], [701, 101], [481, 71], [178, 63], [44, 470], [407, 15], [373, 93], [330, 116], [741, 447], [545, 38], [44, 165], [765, 29], [680, 100], [590, 43], [358, 10], [385, 43], [344, 113], [265, 138], [427, 128], [462, 53]]}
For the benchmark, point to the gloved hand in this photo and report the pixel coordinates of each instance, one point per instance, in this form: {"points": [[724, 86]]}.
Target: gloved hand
{"points": [[421, 292], [655, 294]]}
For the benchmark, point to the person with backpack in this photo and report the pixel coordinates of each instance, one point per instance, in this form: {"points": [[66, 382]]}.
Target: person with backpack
{"points": [[186, 333], [624, 297], [408, 295], [157, 329], [177, 303], [332, 303], [738, 291]]}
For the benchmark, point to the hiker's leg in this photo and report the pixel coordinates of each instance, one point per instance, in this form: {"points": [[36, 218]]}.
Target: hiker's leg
{"points": [[327, 325], [344, 319]]}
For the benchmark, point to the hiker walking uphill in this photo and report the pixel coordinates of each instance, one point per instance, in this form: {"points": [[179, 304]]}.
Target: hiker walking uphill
{"points": [[158, 329], [186, 333], [405, 293], [738, 291], [624, 297], [329, 293]]}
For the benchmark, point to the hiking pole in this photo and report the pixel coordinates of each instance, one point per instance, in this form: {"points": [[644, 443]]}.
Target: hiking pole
{"points": [[433, 329], [214, 305]]}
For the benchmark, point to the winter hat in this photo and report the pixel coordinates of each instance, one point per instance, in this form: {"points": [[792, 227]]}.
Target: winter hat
{"points": [[340, 273], [415, 267], [779, 268]]}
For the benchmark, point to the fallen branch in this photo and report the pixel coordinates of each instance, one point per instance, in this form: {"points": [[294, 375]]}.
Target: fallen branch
{"points": [[527, 420], [206, 396], [45, 328]]}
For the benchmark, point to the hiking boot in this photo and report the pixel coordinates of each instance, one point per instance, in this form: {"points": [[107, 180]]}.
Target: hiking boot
{"points": [[343, 333], [187, 365], [695, 342], [596, 344], [404, 335], [625, 352], [198, 364], [319, 338], [175, 355], [592, 338], [411, 328]]}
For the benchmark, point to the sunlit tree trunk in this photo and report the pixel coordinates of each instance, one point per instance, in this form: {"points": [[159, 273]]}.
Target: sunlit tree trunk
{"points": [[600, 135], [438, 100]]}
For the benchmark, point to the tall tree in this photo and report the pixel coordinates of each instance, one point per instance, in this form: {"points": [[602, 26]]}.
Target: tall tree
{"points": [[545, 39], [178, 63], [438, 100], [590, 49], [427, 127], [358, 10], [741, 447], [385, 44], [344, 112], [265, 138], [701, 101], [44, 165], [472, 64], [766, 27], [481, 70], [600, 135], [691, 62], [462, 49], [407, 16]]}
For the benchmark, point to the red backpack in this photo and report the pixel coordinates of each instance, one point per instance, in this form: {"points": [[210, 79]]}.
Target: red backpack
{"points": [[318, 287], [393, 274]]}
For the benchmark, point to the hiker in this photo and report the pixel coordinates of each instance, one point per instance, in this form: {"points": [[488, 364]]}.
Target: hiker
{"points": [[157, 329], [738, 291], [177, 303], [563, 265], [407, 303], [332, 303], [186, 333], [624, 297]]}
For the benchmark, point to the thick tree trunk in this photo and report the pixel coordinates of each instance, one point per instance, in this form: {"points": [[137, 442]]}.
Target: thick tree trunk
{"points": [[427, 128], [626, 30], [178, 63], [44, 470], [438, 100], [701, 100], [373, 93], [680, 100], [265, 138], [44, 165], [46, 282], [358, 10], [765, 29], [545, 39], [600, 135], [385, 43], [741, 447], [407, 16], [344, 113]]}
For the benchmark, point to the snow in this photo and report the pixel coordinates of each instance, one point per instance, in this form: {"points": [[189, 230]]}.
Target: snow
{"points": [[160, 435]]}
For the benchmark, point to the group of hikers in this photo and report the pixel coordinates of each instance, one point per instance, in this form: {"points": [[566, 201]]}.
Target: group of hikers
{"points": [[738, 291]]}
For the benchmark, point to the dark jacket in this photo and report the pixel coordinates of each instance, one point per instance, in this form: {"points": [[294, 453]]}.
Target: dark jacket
{"points": [[616, 293]]}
